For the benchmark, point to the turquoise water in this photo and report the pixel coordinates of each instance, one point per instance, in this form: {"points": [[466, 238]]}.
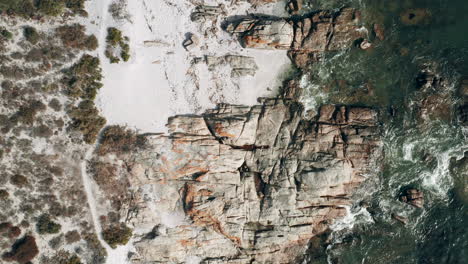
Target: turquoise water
{"points": [[418, 152]]}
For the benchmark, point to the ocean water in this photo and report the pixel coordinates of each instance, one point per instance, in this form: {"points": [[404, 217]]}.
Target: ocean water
{"points": [[424, 152]]}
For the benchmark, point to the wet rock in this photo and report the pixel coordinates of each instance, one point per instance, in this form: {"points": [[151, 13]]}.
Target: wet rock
{"points": [[413, 197], [191, 41], [401, 219], [365, 44], [434, 100], [415, 16], [459, 170], [379, 31]]}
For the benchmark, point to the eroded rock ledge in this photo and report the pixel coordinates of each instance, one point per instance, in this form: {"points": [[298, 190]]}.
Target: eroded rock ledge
{"points": [[246, 184]]}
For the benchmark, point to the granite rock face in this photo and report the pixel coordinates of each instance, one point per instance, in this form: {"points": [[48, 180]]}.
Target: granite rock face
{"points": [[247, 184], [305, 37]]}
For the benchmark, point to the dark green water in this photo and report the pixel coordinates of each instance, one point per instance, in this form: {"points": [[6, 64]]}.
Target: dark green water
{"points": [[425, 153]]}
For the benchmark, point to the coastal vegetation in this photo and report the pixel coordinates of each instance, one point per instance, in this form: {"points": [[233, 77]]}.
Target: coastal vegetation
{"points": [[117, 46], [117, 235], [45, 225], [34, 8], [73, 36]]}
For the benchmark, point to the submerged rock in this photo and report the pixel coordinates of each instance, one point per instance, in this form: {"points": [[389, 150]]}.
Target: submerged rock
{"points": [[401, 219], [415, 16], [413, 197]]}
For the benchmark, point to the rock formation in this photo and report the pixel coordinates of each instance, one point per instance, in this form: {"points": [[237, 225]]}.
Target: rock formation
{"points": [[243, 184], [305, 37]]}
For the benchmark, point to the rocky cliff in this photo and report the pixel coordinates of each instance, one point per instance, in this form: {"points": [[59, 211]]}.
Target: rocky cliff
{"points": [[246, 184]]}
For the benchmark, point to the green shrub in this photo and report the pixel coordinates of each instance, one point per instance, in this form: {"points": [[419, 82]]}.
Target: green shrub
{"points": [[86, 119], [115, 40], [31, 35], [6, 34], [125, 53], [45, 225], [114, 36], [117, 235], [75, 5], [50, 7]]}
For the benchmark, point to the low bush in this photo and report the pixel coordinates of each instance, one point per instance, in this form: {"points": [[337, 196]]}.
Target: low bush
{"points": [[97, 252], [50, 7], [73, 36], [119, 140], [117, 235], [19, 180], [77, 6], [4, 194], [55, 104], [31, 35], [23, 250], [73, 260], [42, 131], [45, 225], [27, 112], [23, 8], [103, 173], [72, 237], [85, 118]]}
